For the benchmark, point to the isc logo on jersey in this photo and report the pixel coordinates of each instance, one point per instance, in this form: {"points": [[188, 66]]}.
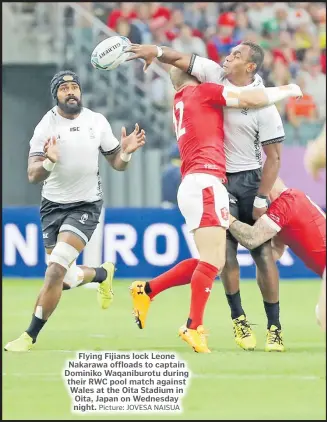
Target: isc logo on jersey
{"points": [[110, 53]]}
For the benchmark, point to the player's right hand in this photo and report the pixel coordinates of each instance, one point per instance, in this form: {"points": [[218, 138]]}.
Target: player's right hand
{"points": [[147, 52], [51, 149], [295, 91]]}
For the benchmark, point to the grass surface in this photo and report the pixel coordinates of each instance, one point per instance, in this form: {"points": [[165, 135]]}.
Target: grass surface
{"points": [[228, 384]]}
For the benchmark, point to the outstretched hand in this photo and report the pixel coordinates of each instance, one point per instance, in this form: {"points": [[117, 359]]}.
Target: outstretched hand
{"points": [[147, 52], [130, 143], [51, 149]]}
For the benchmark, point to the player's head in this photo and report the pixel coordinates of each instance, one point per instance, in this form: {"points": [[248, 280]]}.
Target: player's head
{"points": [[180, 79], [245, 58], [66, 91]]}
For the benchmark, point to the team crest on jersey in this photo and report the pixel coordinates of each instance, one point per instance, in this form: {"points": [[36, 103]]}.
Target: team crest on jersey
{"points": [[83, 218], [245, 111], [224, 213]]}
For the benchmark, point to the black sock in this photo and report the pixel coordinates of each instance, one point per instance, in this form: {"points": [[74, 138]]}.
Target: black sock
{"points": [[147, 288], [35, 327], [188, 323], [272, 312], [235, 305], [100, 275]]}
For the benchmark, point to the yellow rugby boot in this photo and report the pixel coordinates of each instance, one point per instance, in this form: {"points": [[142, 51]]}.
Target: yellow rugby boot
{"points": [[141, 302], [23, 344], [105, 294], [274, 340], [244, 336], [195, 338]]}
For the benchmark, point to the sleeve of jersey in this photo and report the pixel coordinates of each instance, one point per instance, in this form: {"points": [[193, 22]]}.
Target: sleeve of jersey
{"points": [[214, 94], [271, 129], [278, 214], [109, 144], [205, 70], [38, 140]]}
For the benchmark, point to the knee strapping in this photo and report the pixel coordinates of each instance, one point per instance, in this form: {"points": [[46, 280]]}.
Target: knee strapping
{"points": [[64, 254], [74, 276]]}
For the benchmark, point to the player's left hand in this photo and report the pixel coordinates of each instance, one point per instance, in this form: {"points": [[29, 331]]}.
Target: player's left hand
{"points": [[147, 52], [258, 212], [130, 143]]}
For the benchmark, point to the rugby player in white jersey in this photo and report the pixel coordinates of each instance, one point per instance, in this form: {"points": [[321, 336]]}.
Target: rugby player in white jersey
{"points": [[64, 155], [246, 131]]}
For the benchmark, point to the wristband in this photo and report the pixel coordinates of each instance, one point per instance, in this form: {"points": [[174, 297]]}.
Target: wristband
{"points": [[125, 156], [159, 51], [260, 202], [48, 165]]}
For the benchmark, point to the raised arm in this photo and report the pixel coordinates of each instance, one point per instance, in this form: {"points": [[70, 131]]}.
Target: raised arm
{"points": [[203, 69], [129, 144], [166, 55], [260, 97], [247, 98], [118, 154]]}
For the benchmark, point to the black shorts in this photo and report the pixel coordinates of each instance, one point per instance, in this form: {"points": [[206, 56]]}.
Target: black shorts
{"points": [[242, 188], [80, 218]]}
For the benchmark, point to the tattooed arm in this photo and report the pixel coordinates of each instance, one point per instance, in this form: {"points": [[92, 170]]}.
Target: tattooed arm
{"points": [[251, 236], [278, 247]]}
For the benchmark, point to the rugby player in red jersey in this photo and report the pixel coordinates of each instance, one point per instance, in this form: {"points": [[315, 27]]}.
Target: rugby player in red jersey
{"points": [[292, 219], [315, 161], [202, 197]]}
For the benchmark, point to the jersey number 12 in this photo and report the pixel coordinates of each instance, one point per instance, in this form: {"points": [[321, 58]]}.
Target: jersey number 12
{"points": [[180, 131]]}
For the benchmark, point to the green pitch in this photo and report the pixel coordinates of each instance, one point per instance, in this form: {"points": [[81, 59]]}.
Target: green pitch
{"points": [[228, 384]]}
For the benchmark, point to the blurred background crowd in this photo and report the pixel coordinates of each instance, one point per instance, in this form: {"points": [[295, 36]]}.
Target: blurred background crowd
{"points": [[40, 38], [292, 34]]}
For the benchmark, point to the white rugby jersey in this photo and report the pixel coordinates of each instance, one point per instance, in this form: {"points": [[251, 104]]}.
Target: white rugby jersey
{"points": [[245, 129], [76, 175]]}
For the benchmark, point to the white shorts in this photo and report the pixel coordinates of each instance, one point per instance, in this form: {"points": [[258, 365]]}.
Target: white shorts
{"points": [[203, 201]]}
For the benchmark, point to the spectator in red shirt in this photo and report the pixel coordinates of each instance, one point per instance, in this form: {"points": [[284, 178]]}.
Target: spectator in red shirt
{"points": [[285, 51], [221, 43], [160, 15], [126, 11]]}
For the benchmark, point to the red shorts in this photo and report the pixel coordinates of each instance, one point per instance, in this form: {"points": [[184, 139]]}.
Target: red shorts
{"points": [[203, 201]]}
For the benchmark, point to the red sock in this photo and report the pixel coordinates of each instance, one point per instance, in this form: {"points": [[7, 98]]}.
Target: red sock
{"points": [[201, 284], [177, 276]]}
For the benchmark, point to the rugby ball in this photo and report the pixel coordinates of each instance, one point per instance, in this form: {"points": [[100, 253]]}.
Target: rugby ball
{"points": [[110, 53]]}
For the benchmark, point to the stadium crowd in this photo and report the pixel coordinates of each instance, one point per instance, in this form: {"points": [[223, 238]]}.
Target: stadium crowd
{"points": [[292, 34]]}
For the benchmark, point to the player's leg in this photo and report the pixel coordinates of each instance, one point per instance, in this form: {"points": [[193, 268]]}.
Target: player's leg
{"points": [[211, 244], [203, 201], [268, 281], [321, 306], [83, 220], [78, 275], [230, 276], [267, 272], [143, 292], [66, 251]]}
